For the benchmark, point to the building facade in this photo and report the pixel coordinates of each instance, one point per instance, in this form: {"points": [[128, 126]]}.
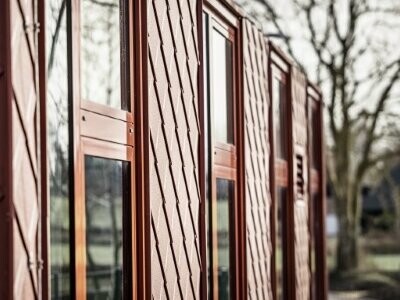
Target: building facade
{"points": [[155, 149]]}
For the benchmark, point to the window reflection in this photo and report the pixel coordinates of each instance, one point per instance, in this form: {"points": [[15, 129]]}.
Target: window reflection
{"points": [[57, 135], [314, 241], [279, 117], [313, 137], [100, 52], [225, 197], [222, 88], [104, 229], [280, 241]]}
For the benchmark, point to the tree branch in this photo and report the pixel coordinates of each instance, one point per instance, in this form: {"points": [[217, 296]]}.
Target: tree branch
{"points": [[54, 39], [335, 22], [274, 18], [364, 163], [384, 157]]}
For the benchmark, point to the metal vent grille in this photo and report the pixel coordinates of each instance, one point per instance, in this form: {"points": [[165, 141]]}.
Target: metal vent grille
{"points": [[299, 176]]}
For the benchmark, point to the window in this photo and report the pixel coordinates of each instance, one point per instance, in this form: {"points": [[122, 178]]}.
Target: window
{"points": [[316, 201], [221, 155], [314, 244], [104, 230], [314, 136], [103, 197], [280, 241], [58, 145], [222, 93], [279, 113], [225, 190], [282, 205], [104, 221], [103, 52], [91, 149]]}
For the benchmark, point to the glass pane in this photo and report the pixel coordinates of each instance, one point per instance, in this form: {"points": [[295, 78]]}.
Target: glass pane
{"points": [[279, 105], [57, 134], [104, 230], [222, 88], [315, 142], [225, 197], [100, 52], [314, 241], [206, 154], [280, 242]]}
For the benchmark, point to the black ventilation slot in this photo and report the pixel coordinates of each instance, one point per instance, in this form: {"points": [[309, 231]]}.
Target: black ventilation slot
{"points": [[299, 176]]}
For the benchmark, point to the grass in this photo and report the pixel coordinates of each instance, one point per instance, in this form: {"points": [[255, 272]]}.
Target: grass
{"points": [[379, 274], [371, 284], [385, 262]]}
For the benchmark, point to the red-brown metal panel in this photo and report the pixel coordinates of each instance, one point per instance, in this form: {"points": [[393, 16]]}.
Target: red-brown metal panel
{"points": [[300, 184], [27, 262], [19, 163], [173, 68], [6, 210], [258, 195]]}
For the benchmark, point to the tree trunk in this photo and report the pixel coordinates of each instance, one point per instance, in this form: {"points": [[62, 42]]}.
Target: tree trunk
{"points": [[347, 255], [348, 213], [396, 202]]}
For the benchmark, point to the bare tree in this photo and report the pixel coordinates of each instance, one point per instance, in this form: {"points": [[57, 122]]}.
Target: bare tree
{"points": [[349, 47]]}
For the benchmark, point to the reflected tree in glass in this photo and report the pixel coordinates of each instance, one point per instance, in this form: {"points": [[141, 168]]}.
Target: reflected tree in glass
{"points": [[104, 227], [222, 85], [58, 167], [280, 251], [225, 196], [101, 83], [101, 52]]}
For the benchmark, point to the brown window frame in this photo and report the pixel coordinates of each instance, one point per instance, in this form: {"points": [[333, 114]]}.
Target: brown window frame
{"points": [[225, 161], [317, 243], [281, 170], [113, 140], [123, 136], [114, 151], [127, 77]]}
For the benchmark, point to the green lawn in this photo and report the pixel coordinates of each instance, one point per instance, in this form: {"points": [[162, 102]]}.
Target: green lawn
{"points": [[385, 262], [379, 274]]}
